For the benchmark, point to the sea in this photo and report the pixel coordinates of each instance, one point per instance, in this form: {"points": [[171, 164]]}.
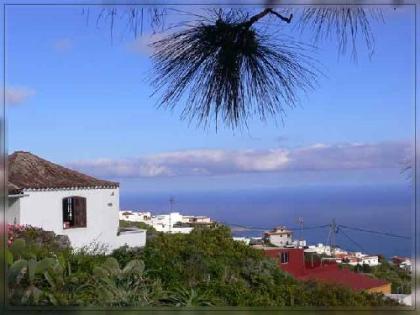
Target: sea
{"points": [[383, 210]]}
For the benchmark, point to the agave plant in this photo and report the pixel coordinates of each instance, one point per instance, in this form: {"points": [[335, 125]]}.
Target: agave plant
{"points": [[120, 287], [183, 297]]}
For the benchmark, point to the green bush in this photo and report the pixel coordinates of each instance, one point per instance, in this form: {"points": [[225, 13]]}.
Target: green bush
{"points": [[125, 253], [400, 279], [203, 268], [38, 243]]}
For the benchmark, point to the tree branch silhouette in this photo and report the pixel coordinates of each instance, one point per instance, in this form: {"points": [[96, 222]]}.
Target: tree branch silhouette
{"points": [[222, 67]]}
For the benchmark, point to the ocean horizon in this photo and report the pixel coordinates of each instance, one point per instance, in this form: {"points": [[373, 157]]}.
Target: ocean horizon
{"points": [[385, 208]]}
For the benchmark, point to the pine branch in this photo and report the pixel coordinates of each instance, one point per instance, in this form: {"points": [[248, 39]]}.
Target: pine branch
{"points": [[262, 14]]}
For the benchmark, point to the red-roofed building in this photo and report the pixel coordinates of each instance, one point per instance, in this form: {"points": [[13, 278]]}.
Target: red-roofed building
{"points": [[292, 261]]}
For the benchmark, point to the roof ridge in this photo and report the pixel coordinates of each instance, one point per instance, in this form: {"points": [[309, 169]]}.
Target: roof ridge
{"points": [[29, 171]]}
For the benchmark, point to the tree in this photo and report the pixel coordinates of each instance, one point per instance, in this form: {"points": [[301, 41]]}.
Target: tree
{"points": [[221, 65]]}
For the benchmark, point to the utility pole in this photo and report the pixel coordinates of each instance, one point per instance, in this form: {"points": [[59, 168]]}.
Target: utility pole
{"points": [[332, 239], [300, 222], [171, 205]]}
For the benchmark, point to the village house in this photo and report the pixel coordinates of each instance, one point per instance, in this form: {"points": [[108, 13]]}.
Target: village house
{"points": [[168, 223], [342, 256], [134, 216], [279, 236], [173, 222], [282, 237], [294, 262], [58, 199], [402, 262], [362, 260], [196, 219]]}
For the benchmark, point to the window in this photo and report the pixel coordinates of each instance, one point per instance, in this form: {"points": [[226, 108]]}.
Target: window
{"points": [[74, 212], [284, 258]]}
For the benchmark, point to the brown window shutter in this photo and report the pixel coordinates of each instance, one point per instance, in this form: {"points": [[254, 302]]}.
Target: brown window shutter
{"points": [[83, 211], [65, 211], [79, 211]]}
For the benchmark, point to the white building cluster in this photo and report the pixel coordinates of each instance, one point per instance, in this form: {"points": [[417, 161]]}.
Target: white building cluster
{"points": [[280, 236], [343, 256], [173, 222]]}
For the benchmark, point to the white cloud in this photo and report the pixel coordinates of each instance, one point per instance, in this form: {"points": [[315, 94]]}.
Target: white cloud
{"points": [[17, 95], [63, 45], [143, 43], [207, 162]]}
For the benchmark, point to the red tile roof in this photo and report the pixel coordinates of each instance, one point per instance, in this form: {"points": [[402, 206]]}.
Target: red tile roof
{"points": [[28, 171], [326, 271], [334, 275]]}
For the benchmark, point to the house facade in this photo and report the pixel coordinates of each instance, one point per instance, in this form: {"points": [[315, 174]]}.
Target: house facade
{"points": [[55, 198], [279, 236]]}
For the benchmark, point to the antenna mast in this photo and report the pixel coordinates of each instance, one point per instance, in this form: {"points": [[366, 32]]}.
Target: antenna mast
{"points": [[333, 232], [300, 222], [171, 203]]}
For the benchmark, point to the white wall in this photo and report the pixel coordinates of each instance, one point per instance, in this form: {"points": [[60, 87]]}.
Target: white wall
{"points": [[135, 216], [279, 240], [13, 211], [370, 260], [165, 222], [44, 209], [130, 238], [182, 230]]}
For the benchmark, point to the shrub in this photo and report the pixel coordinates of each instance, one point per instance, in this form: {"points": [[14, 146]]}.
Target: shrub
{"points": [[125, 253], [39, 243]]}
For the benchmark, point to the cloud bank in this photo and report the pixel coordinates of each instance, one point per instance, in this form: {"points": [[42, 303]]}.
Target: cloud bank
{"points": [[207, 162], [63, 45], [17, 95], [143, 44]]}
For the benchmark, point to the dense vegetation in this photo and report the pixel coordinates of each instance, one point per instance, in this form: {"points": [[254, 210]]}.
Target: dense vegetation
{"points": [[204, 268], [400, 279]]}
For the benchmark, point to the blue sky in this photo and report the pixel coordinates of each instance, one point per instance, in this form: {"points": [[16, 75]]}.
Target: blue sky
{"points": [[77, 99]]}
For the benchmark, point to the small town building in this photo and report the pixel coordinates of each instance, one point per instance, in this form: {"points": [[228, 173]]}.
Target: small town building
{"points": [[173, 222], [290, 260], [58, 199], [170, 223], [294, 262], [199, 219], [279, 236], [135, 216], [353, 260], [402, 262], [342, 256]]}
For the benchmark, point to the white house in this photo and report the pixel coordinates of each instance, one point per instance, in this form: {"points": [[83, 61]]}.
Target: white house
{"points": [[402, 262], [370, 260], [197, 219], [279, 236], [173, 222], [168, 223], [135, 216], [55, 198]]}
